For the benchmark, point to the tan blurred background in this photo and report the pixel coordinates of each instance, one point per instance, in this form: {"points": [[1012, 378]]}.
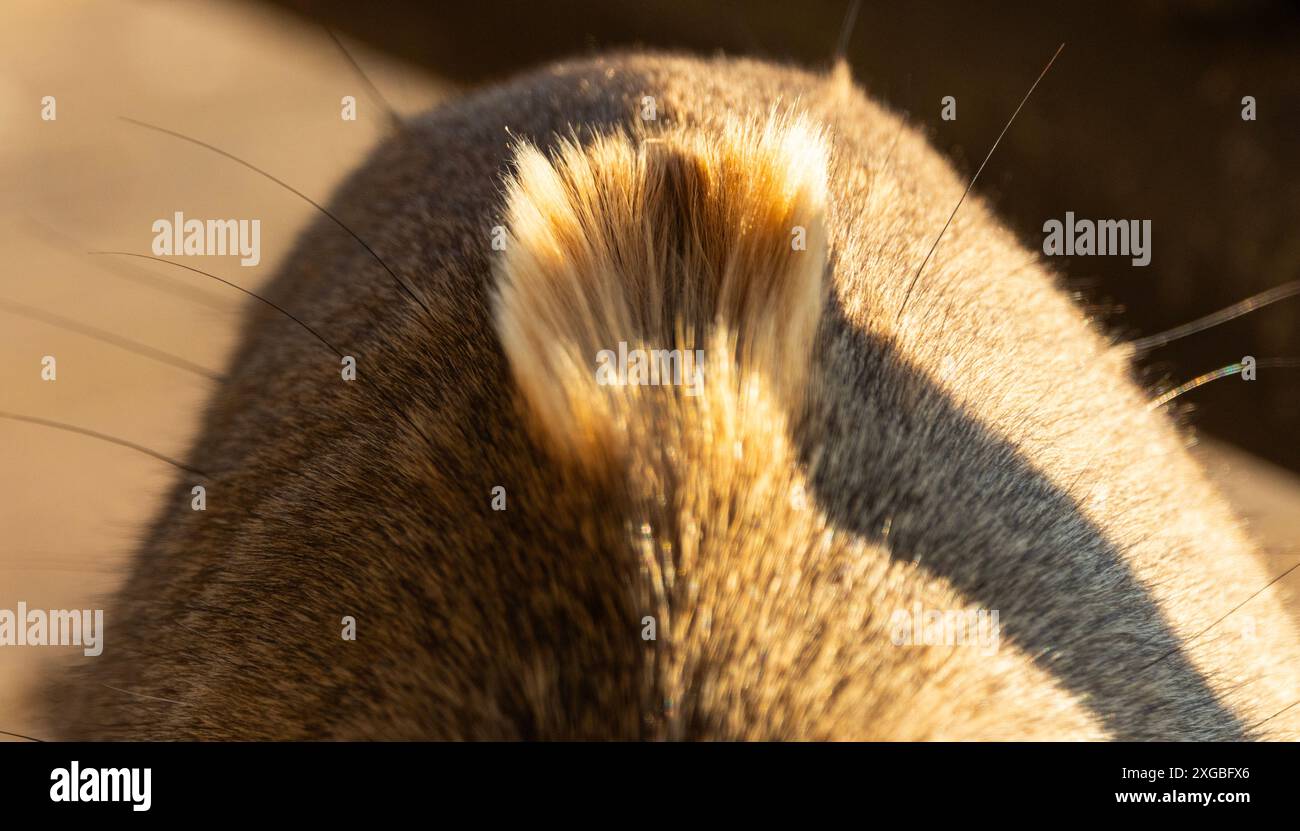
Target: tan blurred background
{"points": [[264, 82], [246, 78]]}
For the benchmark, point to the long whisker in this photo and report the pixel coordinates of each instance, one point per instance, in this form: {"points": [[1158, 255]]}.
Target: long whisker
{"points": [[21, 736], [147, 697], [108, 337], [1275, 715], [1225, 617], [393, 118], [846, 29], [971, 183], [61, 241], [379, 389], [251, 294], [72, 428], [61, 566], [1222, 372], [1236, 310], [400, 282]]}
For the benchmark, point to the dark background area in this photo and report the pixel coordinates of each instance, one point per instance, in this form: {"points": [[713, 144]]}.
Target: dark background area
{"points": [[1140, 118]]}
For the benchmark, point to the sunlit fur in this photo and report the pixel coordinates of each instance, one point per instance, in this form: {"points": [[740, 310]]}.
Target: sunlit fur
{"points": [[678, 240], [982, 448]]}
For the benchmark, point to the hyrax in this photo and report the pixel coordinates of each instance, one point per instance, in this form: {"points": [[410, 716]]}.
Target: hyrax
{"points": [[744, 560]]}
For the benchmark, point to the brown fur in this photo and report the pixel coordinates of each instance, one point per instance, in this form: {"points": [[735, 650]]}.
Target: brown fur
{"points": [[982, 447]]}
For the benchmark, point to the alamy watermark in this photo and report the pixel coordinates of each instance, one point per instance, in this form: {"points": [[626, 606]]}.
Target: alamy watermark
{"points": [[919, 626], [179, 236], [1102, 237], [77, 784], [53, 627], [651, 367]]}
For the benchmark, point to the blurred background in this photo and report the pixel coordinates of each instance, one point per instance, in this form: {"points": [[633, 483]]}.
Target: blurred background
{"points": [[1140, 118]]}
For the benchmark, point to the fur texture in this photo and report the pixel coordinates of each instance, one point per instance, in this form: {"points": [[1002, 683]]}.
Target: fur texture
{"points": [[680, 240], [848, 457]]}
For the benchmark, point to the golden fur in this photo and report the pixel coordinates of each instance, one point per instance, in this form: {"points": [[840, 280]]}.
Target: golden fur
{"points": [[681, 240], [848, 457]]}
